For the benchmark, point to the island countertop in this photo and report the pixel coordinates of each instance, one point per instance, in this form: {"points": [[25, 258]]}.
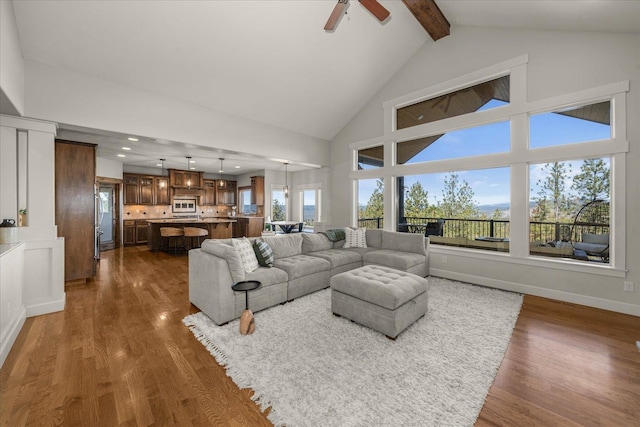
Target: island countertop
{"points": [[191, 220], [217, 228]]}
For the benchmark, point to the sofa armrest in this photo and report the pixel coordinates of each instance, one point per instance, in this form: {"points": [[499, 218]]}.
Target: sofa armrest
{"points": [[210, 286]]}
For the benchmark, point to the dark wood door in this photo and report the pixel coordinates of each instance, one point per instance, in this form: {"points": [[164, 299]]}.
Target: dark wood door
{"points": [[129, 237], [75, 178]]}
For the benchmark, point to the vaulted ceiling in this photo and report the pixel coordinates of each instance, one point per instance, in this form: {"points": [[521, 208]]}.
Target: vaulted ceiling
{"points": [[270, 61]]}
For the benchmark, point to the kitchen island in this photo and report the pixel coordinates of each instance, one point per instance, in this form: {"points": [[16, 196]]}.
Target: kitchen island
{"points": [[218, 228]]}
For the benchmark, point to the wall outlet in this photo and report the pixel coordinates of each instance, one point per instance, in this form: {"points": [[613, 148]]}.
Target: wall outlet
{"points": [[628, 286], [444, 260]]}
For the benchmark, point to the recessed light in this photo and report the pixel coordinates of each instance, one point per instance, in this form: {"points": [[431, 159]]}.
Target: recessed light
{"points": [[192, 161], [158, 164], [237, 167], [193, 169], [121, 155], [132, 139], [126, 148]]}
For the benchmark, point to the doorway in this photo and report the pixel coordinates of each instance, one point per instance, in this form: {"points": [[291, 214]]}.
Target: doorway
{"points": [[109, 215]]}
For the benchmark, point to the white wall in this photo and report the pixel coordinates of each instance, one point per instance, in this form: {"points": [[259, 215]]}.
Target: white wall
{"points": [[559, 63], [11, 63], [106, 168], [12, 310], [64, 97]]}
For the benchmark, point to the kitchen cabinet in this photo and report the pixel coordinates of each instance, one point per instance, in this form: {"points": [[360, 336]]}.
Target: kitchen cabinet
{"points": [[161, 187], [209, 196], [257, 190], [131, 189], [129, 237], [227, 195], [146, 190], [75, 207], [135, 232], [185, 179], [248, 227]]}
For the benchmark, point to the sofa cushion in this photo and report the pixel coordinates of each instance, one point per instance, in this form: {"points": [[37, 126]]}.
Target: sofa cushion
{"points": [[315, 242], [247, 254], [339, 257], [355, 238], [228, 253], [267, 276], [264, 254], [406, 242], [394, 259], [284, 246], [374, 237], [301, 265]]}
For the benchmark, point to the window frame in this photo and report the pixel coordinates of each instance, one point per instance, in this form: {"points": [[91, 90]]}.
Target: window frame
{"points": [[518, 158]]}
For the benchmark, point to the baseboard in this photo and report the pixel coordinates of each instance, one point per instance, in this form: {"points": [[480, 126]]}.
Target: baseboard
{"points": [[604, 304], [12, 334], [46, 307]]}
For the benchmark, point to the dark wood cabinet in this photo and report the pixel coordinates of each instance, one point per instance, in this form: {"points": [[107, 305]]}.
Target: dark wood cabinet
{"points": [[75, 204], [131, 189], [227, 195], [129, 237], [146, 190], [185, 179], [248, 227], [161, 188], [141, 232], [209, 196], [257, 190]]}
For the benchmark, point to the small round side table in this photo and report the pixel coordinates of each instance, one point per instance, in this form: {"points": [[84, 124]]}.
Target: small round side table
{"points": [[247, 322]]}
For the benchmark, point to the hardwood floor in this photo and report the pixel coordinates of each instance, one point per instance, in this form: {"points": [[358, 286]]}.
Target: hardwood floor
{"points": [[120, 355]]}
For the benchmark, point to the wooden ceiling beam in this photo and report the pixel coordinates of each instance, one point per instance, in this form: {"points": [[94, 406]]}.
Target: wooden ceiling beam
{"points": [[430, 17]]}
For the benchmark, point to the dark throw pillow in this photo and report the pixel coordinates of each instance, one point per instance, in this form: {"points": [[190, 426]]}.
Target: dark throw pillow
{"points": [[263, 253]]}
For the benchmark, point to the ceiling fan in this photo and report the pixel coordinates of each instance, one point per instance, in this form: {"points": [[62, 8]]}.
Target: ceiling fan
{"points": [[372, 6]]}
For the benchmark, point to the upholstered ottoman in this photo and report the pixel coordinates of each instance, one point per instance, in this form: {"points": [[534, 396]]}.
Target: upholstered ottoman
{"points": [[381, 298]]}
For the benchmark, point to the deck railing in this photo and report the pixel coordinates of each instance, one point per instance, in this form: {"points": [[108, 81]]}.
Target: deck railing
{"points": [[497, 228]]}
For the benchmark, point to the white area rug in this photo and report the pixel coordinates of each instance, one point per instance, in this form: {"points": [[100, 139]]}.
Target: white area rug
{"points": [[315, 369]]}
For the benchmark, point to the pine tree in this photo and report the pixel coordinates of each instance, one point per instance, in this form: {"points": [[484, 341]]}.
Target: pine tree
{"points": [[416, 202], [593, 181], [553, 185], [278, 210], [375, 205], [457, 199]]}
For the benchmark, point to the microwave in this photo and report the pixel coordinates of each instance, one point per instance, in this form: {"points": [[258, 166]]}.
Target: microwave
{"points": [[184, 206]]}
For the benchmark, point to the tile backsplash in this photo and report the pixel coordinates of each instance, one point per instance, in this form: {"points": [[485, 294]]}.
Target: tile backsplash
{"points": [[164, 211]]}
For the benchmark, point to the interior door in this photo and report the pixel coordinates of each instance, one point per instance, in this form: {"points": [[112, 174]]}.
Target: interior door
{"points": [[108, 216]]}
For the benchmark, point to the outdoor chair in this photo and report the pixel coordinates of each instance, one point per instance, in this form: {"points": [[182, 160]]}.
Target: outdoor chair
{"points": [[434, 228]]}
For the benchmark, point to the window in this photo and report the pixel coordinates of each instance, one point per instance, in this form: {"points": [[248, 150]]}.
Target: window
{"points": [[371, 203], [570, 125], [536, 180], [310, 207], [278, 205], [478, 140], [371, 158], [462, 101], [465, 208], [244, 194], [563, 216]]}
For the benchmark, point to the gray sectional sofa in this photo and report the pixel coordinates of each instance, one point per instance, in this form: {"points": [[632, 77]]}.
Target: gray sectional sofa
{"points": [[304, 263]]}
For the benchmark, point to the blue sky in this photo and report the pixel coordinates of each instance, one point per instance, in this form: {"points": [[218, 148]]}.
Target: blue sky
{"points": [[491, 186]]}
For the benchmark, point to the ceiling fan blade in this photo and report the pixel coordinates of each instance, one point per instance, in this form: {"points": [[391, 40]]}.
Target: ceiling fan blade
{"points": [[376, 9], [335, 15]]}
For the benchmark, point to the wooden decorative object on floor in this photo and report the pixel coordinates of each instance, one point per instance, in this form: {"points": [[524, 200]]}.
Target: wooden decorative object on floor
{"points": [[247, 323]]}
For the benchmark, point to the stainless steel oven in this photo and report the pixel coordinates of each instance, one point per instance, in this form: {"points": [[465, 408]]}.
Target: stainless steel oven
{"points": [[184, 206]]}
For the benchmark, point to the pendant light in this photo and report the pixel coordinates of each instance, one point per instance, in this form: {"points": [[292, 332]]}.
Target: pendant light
{"points": [[221, 182], [188, 166], [285, 189], [162, 173]]}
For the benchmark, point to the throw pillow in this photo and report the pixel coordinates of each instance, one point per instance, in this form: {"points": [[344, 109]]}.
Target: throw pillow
{"points": [[263, 253], [247, 255], [355, 238]]}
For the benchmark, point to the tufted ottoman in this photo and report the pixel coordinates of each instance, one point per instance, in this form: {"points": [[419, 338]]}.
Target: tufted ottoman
{"points": [[381, 298]]}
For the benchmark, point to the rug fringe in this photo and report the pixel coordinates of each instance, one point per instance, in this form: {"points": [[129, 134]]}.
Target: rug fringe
{"points": [[195, 323]]}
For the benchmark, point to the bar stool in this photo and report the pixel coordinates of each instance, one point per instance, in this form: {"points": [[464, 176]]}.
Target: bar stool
{"points": [[191, 232], [167, 233]]}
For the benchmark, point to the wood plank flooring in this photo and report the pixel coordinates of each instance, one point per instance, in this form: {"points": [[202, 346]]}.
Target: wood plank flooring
{"points": [[120, 355]]}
